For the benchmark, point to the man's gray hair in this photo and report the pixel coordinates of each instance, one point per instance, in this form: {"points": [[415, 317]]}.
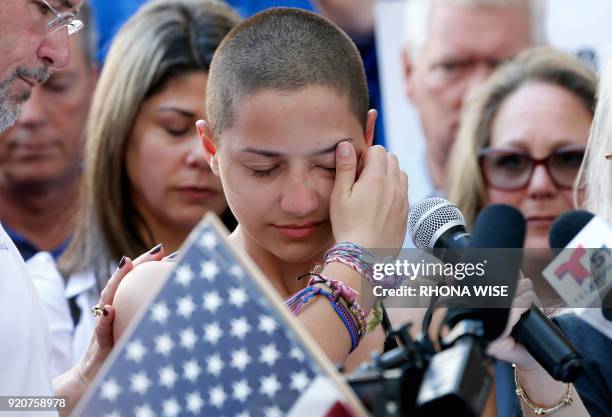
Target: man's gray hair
{"points": [[418, 15]]}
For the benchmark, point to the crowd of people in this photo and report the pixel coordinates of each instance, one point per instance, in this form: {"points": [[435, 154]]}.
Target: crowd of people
{"points": [[270, 123]]}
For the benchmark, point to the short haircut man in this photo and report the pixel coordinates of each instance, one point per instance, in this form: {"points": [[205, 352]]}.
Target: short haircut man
{"points": [[40, 157], [452, 46]]}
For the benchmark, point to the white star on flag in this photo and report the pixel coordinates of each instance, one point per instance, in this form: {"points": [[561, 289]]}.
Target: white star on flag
{"points": [[160, 313], [110, 390], [299, 381], [217, 396], [144, 411], [212, 333], [167, 376], [212, 301], [269, 385], [171, 408], [208, 241], [140, 383], [185, 306], [164, 344], [269, 354], [214, 365], [238, 297], [194, 402], [240, 327], [273, 412], [240, 359], [188, 338], [135, 351], [184, 275], [267, 324], [209, 270], [237, 272], [191, 370], [241, 390]]}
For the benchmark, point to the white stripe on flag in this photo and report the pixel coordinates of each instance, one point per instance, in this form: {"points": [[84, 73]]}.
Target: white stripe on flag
{"points": [[317, 400]]}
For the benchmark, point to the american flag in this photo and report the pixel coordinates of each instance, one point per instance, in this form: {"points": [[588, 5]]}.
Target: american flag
{"points": [[213, 343]]}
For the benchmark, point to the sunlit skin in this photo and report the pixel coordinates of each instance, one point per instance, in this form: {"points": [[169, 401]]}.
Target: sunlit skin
{"points": [[463, 46], [172, 185], [539, 118]]}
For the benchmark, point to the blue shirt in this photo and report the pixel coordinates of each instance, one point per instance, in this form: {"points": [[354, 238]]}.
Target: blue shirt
{"points": [[27, 249]]}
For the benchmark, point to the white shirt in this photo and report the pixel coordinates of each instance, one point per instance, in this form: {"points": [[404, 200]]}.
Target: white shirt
{"points": [[24, 334], [69, 342]]}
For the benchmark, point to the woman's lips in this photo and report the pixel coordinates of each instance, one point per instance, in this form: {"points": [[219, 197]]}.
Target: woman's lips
{"points": [[197, 193], [298, 231], [540, 220]]}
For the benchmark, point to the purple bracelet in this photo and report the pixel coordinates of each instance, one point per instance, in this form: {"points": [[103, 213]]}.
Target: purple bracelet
{"points": [[300, 299]]}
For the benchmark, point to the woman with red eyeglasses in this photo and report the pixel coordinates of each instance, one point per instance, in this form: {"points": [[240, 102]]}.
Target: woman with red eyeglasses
{"points": [[521, 142], [522, 139]]}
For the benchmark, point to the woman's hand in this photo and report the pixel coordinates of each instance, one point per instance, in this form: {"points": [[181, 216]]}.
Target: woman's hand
{"points": [[73, 383], [506, 348], [370, 211]]}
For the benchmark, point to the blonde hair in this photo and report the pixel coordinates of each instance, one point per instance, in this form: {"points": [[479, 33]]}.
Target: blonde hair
{"points": [[595, 176], [163, 40], [466, 184], [418, 16]]}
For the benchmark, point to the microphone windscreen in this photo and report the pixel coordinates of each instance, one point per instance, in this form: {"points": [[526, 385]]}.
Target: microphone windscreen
{"points": [[499, 226], [566, 227]]}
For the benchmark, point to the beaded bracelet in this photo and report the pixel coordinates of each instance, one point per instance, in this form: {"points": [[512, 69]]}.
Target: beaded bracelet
{"points": [[300, 299], [538, 410]]}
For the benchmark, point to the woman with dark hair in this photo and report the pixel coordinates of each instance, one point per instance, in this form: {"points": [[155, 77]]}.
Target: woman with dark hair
{"points": [[145, 179]]}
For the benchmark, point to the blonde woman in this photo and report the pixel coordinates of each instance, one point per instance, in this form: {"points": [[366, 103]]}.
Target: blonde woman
{"points": [[522, 139], [145, 180]]}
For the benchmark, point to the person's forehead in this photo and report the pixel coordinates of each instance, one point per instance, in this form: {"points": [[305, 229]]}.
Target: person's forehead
{"points": [[493, 26]]}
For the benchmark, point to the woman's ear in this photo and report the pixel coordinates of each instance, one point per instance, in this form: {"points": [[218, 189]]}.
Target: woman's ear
{"points": [[208, 143], [370, 124]]}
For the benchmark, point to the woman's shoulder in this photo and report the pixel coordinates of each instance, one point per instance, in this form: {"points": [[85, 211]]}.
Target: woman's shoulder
{"points": [[136, 290]]}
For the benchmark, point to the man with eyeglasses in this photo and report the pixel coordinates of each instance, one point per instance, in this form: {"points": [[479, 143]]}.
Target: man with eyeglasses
{"points": [[34, 41]]}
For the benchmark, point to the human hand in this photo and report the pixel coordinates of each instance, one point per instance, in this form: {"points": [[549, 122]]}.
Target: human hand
{"points": [[101, 342], [506, 347], [370, 211]]}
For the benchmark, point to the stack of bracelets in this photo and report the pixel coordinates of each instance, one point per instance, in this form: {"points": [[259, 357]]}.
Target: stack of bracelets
{"points": [[350, 312]]}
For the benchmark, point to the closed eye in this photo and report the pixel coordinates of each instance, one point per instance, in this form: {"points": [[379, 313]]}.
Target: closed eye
{"points": [[263, 172]]}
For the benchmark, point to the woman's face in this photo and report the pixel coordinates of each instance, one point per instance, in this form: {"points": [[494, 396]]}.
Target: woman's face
{"points": [[540, 119], [171, 183], [277, 165]]}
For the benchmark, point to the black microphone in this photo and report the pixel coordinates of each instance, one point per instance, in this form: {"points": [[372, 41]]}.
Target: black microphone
{"points": [[566, 227], [542, 339]]}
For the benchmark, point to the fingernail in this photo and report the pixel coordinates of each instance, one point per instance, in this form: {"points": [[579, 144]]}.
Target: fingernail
{"points": [[343, 149], [173, 255], [105, 312], [122, 262], [155, 249]]}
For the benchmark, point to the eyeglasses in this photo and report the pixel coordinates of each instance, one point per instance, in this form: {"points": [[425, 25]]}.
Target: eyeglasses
{"points": [[59, 20], [511, 169]]}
